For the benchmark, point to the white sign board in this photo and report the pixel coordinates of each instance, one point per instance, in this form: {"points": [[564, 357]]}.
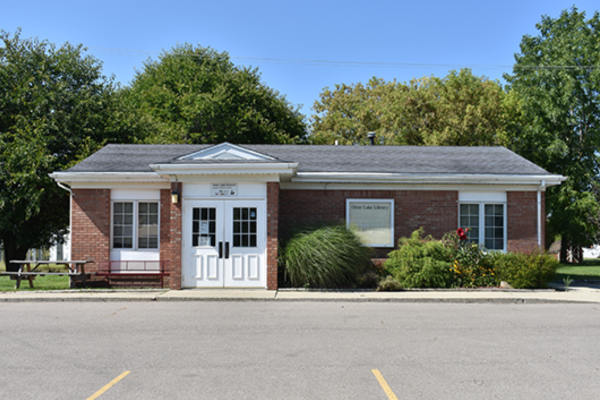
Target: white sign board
{"points": [[374, 221], [224, 190]]}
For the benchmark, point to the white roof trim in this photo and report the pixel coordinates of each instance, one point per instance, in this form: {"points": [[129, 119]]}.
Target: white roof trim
{"points": [[226, 151], [107, 177], [216, 169], [289, 170], [479, 179]]}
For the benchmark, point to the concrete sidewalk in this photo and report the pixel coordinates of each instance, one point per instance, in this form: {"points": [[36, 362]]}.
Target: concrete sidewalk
{"points": [[578, 293]]}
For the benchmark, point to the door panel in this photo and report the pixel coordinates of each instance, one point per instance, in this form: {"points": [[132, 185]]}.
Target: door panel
{"points": [[253, 267], [198, 264], [213, 272], [237, 267]]}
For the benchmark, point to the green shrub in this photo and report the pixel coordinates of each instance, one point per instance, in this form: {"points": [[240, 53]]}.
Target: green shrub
{"points": [[471, 267], [325, 257], [525, 270], [421, 262], [368, 280], [389, 284]]}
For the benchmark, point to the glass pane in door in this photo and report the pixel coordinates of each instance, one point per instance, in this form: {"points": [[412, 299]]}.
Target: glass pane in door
{"points": [[244, 226], [204, 227]]}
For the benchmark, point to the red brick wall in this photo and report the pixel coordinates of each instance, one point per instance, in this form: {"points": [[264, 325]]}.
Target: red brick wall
{"points": [[521, 210], [272, 233], [165, 229], [91, 226], [434, 210], [173, 253]]}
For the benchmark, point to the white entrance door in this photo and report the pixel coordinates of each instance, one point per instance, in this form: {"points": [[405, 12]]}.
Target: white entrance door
{"points": [[224, 243]]}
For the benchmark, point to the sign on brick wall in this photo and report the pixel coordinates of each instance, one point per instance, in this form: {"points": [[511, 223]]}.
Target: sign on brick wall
{"points": [[373, 220]]}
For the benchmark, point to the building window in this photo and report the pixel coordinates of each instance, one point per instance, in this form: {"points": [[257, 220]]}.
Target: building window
{"points": [[122, 225], [148, 225], [373, 221], [135, 223], [486, 224]]}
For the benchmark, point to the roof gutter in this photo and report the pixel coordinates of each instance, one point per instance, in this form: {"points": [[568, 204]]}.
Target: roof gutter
{"points": [[539, 212], [477, 179], [106, 177], [68, 189]]}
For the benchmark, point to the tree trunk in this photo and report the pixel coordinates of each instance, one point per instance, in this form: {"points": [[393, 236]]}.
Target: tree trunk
{"points": [[563, 250], [12, 252]]}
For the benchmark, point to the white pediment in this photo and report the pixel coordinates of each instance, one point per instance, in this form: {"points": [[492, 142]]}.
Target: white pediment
{"points": [[227, 151]]}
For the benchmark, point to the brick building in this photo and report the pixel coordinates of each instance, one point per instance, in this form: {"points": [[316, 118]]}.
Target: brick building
{"points": [[217, 213]]}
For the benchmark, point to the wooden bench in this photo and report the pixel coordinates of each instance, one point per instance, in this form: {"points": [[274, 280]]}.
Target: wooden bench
{"points": [[130, 268]]}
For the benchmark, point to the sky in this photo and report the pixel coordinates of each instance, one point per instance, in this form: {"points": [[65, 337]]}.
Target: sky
{"points": [[299, 47]]}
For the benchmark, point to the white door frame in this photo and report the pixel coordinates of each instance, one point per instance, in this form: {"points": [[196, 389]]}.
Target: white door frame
{"points": [[224, 264]]}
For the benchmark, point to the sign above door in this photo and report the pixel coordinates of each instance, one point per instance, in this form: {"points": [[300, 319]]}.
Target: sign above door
{"points": [[224, 190]]}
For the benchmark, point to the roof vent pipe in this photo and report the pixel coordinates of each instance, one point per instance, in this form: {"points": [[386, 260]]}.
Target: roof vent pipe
{"points": [[371, 136]]}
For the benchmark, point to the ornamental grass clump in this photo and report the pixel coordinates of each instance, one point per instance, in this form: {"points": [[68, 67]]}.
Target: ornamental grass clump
{"points": [[325, 257], [420, 262]]}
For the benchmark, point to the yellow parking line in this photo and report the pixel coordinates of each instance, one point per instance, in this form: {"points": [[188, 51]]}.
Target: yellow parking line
{"points": [[110, 384], [386, 388]]}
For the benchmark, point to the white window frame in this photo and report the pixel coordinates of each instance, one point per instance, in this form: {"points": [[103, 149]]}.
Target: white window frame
{"points": [[136, 227], [482, 205], [392, 210]]}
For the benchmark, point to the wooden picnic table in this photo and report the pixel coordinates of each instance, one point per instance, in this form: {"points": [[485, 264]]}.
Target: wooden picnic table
{"points": [[76, 269]]}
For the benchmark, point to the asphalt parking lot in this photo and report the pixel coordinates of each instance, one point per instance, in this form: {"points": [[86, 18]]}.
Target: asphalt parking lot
{"points": [[298, 350]]}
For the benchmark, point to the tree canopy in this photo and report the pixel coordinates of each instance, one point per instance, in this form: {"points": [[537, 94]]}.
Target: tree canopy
{"points": [[557, 79], [197, 95], [460, 109], [55, 109]]}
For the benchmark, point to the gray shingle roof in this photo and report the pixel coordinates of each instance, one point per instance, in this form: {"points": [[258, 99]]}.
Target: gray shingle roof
{"points": [[328, 159]]}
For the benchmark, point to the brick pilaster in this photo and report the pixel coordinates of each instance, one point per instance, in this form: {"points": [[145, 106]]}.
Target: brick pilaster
{"points": [[272, 232], [165, 229], [175, 238]]}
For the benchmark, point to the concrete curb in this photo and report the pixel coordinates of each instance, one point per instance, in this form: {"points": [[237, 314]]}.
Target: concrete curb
{"points": [[513, 296]]}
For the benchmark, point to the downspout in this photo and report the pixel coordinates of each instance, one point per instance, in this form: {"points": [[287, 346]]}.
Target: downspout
{"points": [[539, 212], [68, 189]]}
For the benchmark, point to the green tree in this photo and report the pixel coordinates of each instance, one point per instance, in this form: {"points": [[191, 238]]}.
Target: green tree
{"points": [[460, 109], [557, 77], [196, 95], [348, 112], [55, 109]]}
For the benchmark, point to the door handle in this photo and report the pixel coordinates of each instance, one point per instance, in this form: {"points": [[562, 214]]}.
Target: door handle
{"points": [[226, 249], [220, 249]]}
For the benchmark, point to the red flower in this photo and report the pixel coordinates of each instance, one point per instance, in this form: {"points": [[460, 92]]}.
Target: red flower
{"points": [[462, 233]]}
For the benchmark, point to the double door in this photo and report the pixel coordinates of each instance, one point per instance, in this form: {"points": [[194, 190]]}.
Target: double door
{"points": [[224, 244]]}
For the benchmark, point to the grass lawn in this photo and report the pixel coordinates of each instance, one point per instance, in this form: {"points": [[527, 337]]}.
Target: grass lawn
{"points": [[588, 270], [48, 282]]}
